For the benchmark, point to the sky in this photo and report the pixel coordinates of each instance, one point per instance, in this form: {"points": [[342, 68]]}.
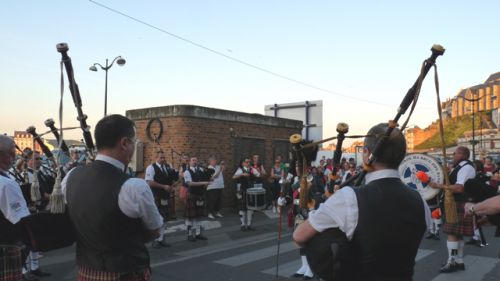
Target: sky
{"points": [[359, 57]]}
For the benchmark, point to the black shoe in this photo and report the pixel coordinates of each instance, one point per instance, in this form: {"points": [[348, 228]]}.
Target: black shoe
{"points": [[449, 268], [29, 277], [307, 277], [156, 244], [39, 273], [430, 236], [250, 228], [163, 244], [436, 237], [191, 238], [201, 237], [472, 242], [297, 275], [460, 266], [243, 228]]}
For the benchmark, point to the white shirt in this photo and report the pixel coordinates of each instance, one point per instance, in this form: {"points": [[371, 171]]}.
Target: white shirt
{"points": [[135, 199], [218, 182], [150, 171], [465, 173], [341, 209], [12, 203], [187, 174]]}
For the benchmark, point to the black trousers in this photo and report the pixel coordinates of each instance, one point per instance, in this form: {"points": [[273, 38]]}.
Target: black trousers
{"points": [[213, 197]]}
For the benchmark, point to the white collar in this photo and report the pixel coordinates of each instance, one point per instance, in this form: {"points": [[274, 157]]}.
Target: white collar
{"points": [[113, 161], [385, 173]]}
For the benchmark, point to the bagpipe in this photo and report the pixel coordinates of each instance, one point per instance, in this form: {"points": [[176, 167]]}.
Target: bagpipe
{"points": [[52, 229], [329, 253], [478, 190]]}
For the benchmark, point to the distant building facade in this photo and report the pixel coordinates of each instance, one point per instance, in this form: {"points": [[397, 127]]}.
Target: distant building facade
{"points": [[24, 140], [478, 98], [486, 96]]}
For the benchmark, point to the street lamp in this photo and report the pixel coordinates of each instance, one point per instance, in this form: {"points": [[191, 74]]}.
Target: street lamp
{"points": [[121, 62], [473, 142]]}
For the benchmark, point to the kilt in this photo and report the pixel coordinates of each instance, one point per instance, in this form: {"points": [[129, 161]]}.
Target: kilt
{"points": [[463, 227], [193, 210], [10, 263], [243, 201], [89, 274]]}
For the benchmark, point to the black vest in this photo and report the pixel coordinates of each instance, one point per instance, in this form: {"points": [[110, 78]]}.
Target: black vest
{"points": [[391, 224], [107, 240], [460, 197], [161, 177], [196, 176], [246, 182], [9, 232]]}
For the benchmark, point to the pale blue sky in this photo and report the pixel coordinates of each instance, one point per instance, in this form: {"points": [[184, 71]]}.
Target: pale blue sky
{"points": [[367, 50]]}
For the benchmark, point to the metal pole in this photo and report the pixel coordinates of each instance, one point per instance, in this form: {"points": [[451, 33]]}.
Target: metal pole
{"points": [[473, 133], [106, 90]]}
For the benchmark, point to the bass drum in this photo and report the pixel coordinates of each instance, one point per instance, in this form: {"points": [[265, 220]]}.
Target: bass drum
{"points": [[414, 163]]}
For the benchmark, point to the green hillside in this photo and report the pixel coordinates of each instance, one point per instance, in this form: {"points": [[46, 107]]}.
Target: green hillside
{"points": [[454, 128]]}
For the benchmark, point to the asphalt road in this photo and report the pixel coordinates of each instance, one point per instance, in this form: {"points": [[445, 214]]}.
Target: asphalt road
{"points": [[230, 254]]}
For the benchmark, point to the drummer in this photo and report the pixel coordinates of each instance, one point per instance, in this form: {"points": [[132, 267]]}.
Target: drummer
{"points": [[245, 177], [12, 207]]}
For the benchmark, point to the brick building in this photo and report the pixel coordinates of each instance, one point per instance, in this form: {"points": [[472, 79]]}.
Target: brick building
{"points": [[203, 132]]}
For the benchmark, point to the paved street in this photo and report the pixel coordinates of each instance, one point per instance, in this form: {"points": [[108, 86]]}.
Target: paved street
{"points": [[231, 254]]}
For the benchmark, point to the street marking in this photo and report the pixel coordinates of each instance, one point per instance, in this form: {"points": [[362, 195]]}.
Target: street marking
{"points": [[286, 269], [475, 268], [203, 251], [422, 253], [249, 257], [289, 268], [207, 225], [270, 214]]}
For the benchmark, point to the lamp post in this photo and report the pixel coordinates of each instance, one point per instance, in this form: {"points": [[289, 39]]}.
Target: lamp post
{"points": [[120, 61], [473, 142]]}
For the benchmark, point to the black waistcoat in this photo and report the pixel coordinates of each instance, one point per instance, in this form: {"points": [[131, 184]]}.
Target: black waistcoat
{"points": [[162, 178], [107, 240], [246, 182], [390, 227], [9, 232], [196, 176], [461, 197]]}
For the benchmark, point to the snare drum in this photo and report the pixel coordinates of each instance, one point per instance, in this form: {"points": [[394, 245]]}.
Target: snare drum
{"points": [[10, 263], [256, 198]]}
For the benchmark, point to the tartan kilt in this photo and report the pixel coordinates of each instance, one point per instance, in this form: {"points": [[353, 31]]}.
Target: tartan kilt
{"points": [[463, 227], [191, 210], [243, 201], [89, 274], [10, 263]]}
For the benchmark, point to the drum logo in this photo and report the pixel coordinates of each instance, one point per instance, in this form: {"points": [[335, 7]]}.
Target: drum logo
{"points": [[414, 163]]}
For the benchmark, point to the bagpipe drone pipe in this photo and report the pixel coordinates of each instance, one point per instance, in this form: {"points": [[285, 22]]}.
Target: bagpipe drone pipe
{"points": [[331, 256]]}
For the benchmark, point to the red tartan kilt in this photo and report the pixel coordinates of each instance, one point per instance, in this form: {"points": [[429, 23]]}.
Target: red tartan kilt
{"points": [[10, 263], [192, 211], [463, 227], [88, 274]]}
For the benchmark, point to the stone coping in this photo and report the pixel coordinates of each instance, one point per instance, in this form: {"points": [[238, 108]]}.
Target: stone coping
{"points": [[210, 113]]}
